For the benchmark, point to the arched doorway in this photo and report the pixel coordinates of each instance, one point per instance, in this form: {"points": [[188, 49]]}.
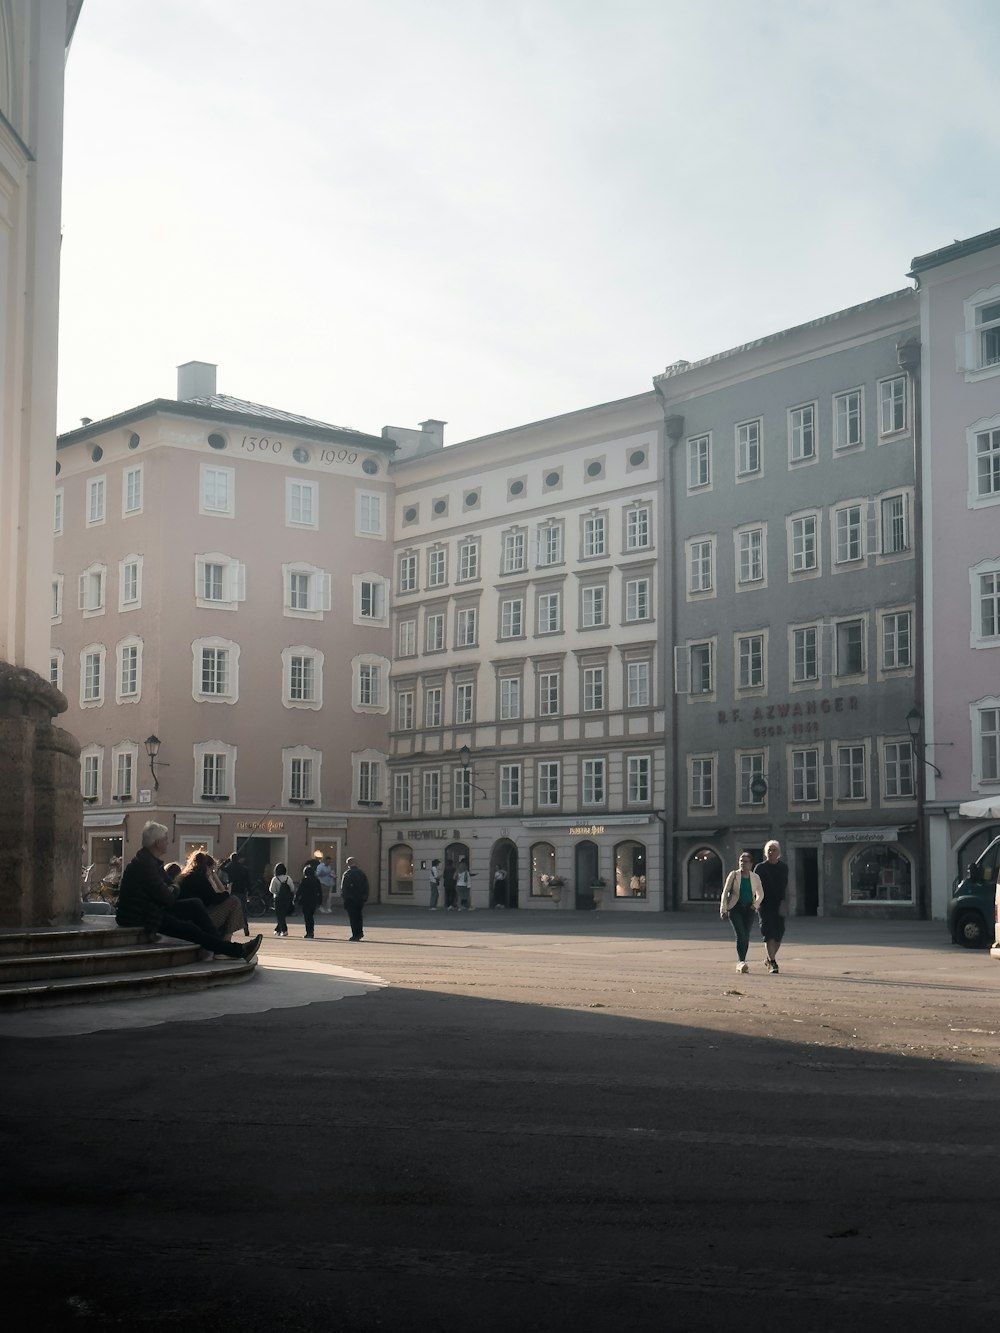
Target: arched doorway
{"points": [[585, 865], [503, 893], [453, 853]]}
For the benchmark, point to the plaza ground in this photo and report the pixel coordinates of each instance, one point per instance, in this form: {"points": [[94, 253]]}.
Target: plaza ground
{"points": [[508, 1121]]}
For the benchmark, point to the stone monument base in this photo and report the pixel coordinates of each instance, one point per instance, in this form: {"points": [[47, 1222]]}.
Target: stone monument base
{"points": [[41, 809]]}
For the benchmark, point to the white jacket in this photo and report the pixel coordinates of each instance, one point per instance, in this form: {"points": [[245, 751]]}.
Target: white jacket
{"points": [[731, 891]]}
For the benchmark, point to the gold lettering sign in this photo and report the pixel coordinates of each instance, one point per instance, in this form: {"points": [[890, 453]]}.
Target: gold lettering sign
{"points": [[264, 826], [586, 830]]}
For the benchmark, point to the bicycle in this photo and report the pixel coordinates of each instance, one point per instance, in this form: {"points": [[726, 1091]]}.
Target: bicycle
{"points": [[104, 892]]}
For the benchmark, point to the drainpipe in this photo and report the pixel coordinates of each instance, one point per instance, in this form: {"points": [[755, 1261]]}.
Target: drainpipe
{"points": [[674, 425], [908, 358]]}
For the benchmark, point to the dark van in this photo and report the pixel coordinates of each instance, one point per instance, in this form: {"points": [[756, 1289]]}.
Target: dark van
{"points": [[972, 910]]}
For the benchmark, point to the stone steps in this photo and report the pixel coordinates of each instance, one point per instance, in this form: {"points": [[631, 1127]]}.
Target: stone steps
{"points": [[88, 965]]}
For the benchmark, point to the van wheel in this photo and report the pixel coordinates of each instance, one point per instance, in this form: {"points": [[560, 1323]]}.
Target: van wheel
{"points": [[971, 930]]}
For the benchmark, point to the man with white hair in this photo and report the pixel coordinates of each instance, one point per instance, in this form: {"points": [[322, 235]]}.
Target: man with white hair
{"points": [[773, 874], [146, 900]]}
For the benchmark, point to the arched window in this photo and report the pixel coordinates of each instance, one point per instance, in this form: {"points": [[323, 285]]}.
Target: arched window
{"points": [[704, 876], [401, 870], [880, 875], [630, 870], [543, 868]]}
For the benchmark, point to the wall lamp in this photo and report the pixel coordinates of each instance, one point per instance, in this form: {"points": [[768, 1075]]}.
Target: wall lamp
{"points": [[465, 758], [915, 726], [152, 744]]}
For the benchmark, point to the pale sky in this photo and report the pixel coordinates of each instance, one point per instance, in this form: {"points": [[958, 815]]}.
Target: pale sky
{"points": [[494, 211]]}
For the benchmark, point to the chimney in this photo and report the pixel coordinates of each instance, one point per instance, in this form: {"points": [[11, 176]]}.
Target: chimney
{"points": [[195, 379]]}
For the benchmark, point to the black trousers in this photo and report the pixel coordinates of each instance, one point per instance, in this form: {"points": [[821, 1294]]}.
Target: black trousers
{"points": [[308, 916], [355, 913], [188, 920]]}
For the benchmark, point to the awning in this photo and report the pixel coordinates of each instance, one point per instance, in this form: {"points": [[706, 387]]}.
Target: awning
{"points": [[104, 821], [853, 835], [986, 808]]}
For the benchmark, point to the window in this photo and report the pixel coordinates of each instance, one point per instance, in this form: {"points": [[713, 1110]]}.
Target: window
{"points": [[369, 782], [898, 757], [895, 525], [219, 582], [128, 671], [847, 420], [549, 612], [218, 487], [213, 775], [434, 632], [307, 591], [124, 775], [404, 710], [594, 611], [802, 433], [464, 702], [699, 462], [896, 641], [437, 567], [748, 448], [433, 696], [849, 534], [96, 500], [132, 490], [805, 775], [595, 536], [988, 728], [401, 793], [468, 561], [751, 771], [881, 874], [594, 781], [805, 654], [461, 789], [702, 676], [637, 528], [407, 573], [892, 405], [593, 689], [750, 661], [301, 506], [369, 685], [804, 544], [57, 514], [216, 670], [701, 771], [371, 599], [550, 544], [510, 698], [851, 773], [543, 868], [512, 618], [637, 779], [510, 786], [630, 869], [514, 557], [92, 675], [637, 684], [56, 668], [406, 635], [91, 594], [57, 597], [700, 563], [637, 600], [303, 685], [548, 693], [214, 771], [370, 514], [466, 623], [548, 784], [750, 555], [851, 648], [90, 776], [987, 461], [988, 339], [988, 597], [130, 583], [430, 792], [300, 780]]}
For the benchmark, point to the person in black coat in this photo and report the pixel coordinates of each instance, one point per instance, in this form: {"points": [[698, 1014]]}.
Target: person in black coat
{"points": [[308, 896], [354, 891]]}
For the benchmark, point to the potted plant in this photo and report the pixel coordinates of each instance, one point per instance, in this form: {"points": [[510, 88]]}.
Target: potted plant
{"points": [[597, 887], [553, 886]]}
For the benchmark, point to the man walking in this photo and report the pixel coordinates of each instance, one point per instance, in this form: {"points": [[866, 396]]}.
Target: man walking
{"points": [[354, 891], [773, 874], [327, 877]]}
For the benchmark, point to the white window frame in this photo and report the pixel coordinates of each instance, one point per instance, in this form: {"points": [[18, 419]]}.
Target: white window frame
{"points": [[514, 552], [888, 638], [842, 623], [464, 703], [370, 691], [217, 491], [896, 760], [594, 536], [293, 772], [549, 613], [408, 572], [468, 557], [985, 570], [91, 773], [318, 591], [800, 544], [750, 650], [639, 683], [132, 648], [893, 406], [406, 637], [437, 567], [93, 591], [594, 606], [901, 498], [702, 779], [750, 765], [461, 790], [433, 701], [845, 421], [131, 561], [133, 490], [802, 441], [594, 781], [638, 527], [405, 710], [232, 585], [58, 511], [548, 784], [638, 779], [512, 618], [802, 774], [510, 703], [748, 437], [435, 631], [988, 430], [402, 793], [370, 508], [978, 347], [371, 599], [549, 683], [369, 778], [594, 689], [795, 656], [551, 544], [301, 652], [214, 749], [213, 643], [466, 626], [699, 582], [984, 778], [860, 794], [510, 787], [638, 599], [57, 664], [297, 513], [699, 462], [847, 508], [89, 697], [751, 572], [57, 599], [97, 501], [124, 771], [430, 791]]}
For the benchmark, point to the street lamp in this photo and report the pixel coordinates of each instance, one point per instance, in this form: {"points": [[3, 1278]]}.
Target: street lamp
{"points": [[915, 725], [152, 744], [465, 758]]}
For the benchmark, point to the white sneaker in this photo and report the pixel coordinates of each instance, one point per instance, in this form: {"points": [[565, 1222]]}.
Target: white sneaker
{"points": [[742, 967]]}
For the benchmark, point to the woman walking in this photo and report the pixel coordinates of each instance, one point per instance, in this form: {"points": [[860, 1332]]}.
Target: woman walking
{"points": [[742, 894], [308, 896], [283, 893]]}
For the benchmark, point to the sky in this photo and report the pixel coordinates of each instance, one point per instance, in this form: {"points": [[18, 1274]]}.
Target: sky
{"points": [[375, 212]]}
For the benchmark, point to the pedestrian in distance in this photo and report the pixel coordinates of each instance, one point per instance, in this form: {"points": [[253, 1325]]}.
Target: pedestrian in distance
{"points": [[434, 879], [354, 891], [773, 875], [328, 881], [742, 893], [283, 893], [499, 887], [449, 886], [308, 896], [463, 886]]}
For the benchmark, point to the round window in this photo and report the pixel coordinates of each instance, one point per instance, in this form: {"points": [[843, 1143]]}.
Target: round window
{"points": [[516, 487], [637, 457], [133, 441], [301, 455], [471, 499], [97, 453], [217, 441], [552, 479], [594, 469], [439, 506], [369, 466], [410, 514]]}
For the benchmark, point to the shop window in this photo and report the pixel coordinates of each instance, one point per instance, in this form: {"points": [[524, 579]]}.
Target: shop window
{"points": [[543, 869], [704, 876], [880, 875], [401, 870], [630, 870]]}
